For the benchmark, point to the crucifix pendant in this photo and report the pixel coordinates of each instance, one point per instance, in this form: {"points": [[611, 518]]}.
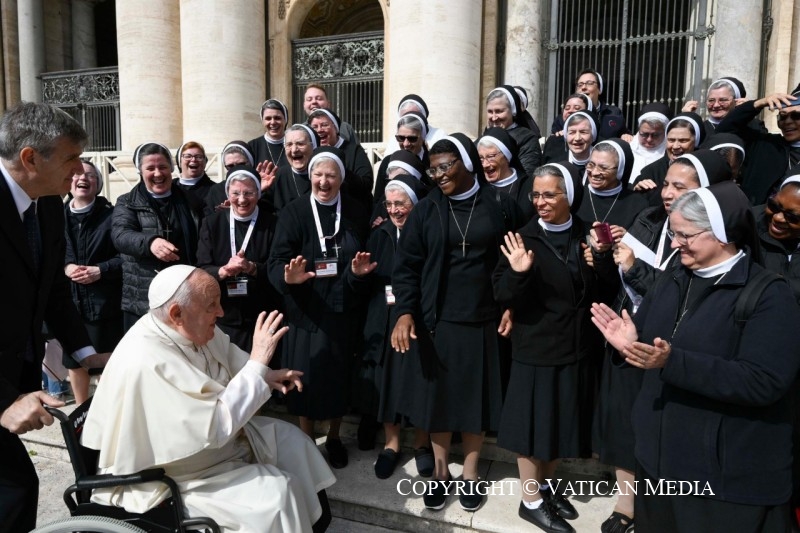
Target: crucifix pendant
{"points": [[336, 249], [166, 232], [464, 245]]}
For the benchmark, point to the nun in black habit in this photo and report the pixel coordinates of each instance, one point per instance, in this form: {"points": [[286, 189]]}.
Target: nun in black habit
{"points": [[191, 160], [402, 162], [316, 239], [503, 110], [545, 279], [269, 147], [412, 130], [580, 134], [555, 147], [606, 196], [291, 181], [234, 248], [497, 152], [448, 320], [685, 134]]}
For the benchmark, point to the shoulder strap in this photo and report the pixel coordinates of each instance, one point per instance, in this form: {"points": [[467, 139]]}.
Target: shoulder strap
{"points": [[751, 294]]}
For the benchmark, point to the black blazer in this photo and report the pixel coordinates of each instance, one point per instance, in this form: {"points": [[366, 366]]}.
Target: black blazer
{"points": [[27, 302]]}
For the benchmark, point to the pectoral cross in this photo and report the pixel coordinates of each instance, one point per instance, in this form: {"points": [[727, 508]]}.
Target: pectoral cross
{"points": [[336, 248], [166, 232], [464, 245]]}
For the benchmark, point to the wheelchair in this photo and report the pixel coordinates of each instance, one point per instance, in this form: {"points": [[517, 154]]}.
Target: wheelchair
{"points": [[86, 516]]}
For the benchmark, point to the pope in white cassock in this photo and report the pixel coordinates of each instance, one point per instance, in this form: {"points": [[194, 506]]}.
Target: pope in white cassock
{"points": [[177, 394]]}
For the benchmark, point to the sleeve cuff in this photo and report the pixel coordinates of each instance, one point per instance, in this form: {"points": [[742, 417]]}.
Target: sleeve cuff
{"points": [[256, 367], [83, 353]]}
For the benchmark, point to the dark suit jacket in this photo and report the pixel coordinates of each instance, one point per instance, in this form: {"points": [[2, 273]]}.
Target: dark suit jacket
{"points": [[27, 302]]}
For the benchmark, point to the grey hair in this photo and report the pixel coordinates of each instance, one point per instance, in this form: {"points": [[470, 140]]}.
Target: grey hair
{"points": [[38, 126], [298, 127], [407, 104], [496, 95], [233, 149], [691, 207], [394, 186], [410, 122], [485, 143], [606, 148], [654, 123], [722, 84], [182, 297], [549, 170]]}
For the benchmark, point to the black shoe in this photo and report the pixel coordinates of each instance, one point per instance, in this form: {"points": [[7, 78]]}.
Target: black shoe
{"points": [[367, 429], [558, 502], [469, 496], [617, 523], [436, 495], [425, 462], [386, 463], [337, 453], [546, 518]]}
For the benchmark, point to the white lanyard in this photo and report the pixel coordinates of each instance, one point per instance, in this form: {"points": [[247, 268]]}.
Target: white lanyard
{"points": [[321, 235], [247, 235]]}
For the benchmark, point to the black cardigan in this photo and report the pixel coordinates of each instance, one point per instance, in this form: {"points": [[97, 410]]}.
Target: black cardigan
{"points": [[552, 324], [717, 414]]}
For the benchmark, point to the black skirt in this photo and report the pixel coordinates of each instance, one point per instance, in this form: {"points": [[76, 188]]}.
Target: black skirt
{"points": [[451, 382], [613, 431], [324, 356], [547, 411]]}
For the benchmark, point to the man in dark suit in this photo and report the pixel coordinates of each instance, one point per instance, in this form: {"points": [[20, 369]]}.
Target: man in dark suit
{"points": [[40, 148]]}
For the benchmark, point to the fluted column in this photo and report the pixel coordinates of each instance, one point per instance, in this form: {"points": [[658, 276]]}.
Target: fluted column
{"points": [[224, 57], [30, 21], [84, 45], [732, 55], [434, 50], [524, 64], [148, 47]]}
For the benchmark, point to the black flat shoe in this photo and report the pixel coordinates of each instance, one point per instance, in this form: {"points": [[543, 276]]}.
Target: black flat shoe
{"points": [[436, 496], [337, 453], [558, 502], [423, 457], [469, 497], [386, 463], [546, 518], [617, 523]]}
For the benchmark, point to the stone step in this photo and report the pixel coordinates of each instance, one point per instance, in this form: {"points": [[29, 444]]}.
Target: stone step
{"points": [[359, 496]]}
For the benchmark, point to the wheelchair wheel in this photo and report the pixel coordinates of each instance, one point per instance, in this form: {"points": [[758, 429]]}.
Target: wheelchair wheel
{"points": [[88, 524]]}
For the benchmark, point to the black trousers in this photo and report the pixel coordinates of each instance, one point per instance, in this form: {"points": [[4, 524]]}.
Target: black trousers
{"points": [[19, 485], [656, 513]]}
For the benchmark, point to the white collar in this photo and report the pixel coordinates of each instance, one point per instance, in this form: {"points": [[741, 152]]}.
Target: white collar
{"points": [[713, 120], [21, 198], [189, 181], [330, 203], [340, 142], [505, 182], [547, 226], [80, 210], [248, 218], [272, 141], [719, 268], [154, 195], [609, 192], [576, 161], [469, 194]]}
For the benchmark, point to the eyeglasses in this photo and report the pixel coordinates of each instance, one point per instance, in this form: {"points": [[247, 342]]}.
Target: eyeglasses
{"points": [[794, 115], [246, 194], [652, 135], [589, 83], [90, 175], [189, 157], [720, 101], [488, 157], [546, 196], [592, 166], [410, 138], [681, 238], [396, 205], [441, 169], [775, 208]]}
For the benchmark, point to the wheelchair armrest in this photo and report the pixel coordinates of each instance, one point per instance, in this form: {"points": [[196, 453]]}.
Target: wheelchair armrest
{"points": [[110, 480]]}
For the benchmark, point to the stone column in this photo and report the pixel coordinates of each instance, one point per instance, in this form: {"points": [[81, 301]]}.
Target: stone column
{"points": [[732, 55], [148, 45], [444, 67], [57, 36], [224, 57], [84, 45], [524, 64], [780, 62], [30, 20]]}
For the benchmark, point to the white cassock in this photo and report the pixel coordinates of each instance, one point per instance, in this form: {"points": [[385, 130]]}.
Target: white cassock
{"points": [[164, 403]]}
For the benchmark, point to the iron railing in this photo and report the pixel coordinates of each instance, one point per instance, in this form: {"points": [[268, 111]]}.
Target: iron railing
{"points": [[350, 67], [646, 51], [91, 97]]}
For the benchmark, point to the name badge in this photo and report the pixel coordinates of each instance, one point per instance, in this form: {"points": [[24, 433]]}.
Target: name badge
{"points": [[389, 295], [326, 268], [236, 288]]}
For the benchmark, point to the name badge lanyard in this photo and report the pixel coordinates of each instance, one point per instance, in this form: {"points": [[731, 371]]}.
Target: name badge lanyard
{"points": [[660, 251], [320, 234], [247, 235]]}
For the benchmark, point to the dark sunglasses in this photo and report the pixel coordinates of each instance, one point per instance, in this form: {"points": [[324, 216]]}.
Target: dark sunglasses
{"points": [[410, 138], [775, 208], [794, 115]]}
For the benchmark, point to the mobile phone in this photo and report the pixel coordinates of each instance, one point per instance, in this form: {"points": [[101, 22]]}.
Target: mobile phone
{"points": [[603, 233], [794, 101]]}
